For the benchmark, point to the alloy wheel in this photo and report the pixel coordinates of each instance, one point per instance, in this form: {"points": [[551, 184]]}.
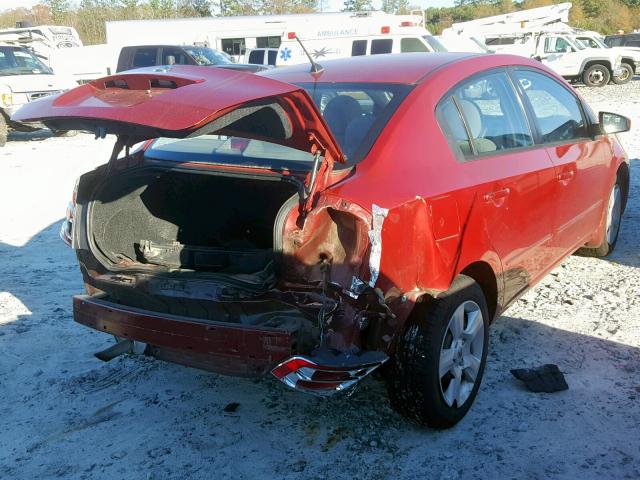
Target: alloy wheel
{"points": [[461, 353]]}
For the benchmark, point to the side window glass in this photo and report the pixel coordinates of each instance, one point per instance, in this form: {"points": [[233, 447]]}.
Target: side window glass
{"points": [[144, 57], [177, 55], [556, 110], [271, 56], [556, 45], [452, 126], [493, 114], [381, 46], [412, 44], [358, 47], [256, 57]]}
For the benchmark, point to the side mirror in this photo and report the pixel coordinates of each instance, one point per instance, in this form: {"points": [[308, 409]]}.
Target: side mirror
{"points": [[614, 123]]}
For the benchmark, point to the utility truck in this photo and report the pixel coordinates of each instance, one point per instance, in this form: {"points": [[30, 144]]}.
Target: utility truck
{"points": [[630, 56], [543, 34]]}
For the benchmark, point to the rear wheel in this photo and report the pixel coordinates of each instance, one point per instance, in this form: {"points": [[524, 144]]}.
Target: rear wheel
{"points": [[439, 361], [596, 76], [625, 76], [615, 208], [4, 131]]}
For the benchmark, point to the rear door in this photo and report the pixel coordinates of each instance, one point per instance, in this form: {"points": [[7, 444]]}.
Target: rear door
{"points": [[580, 161], [513, 180]]}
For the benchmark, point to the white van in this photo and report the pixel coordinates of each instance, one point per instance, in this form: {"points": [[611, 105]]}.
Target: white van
{"points": [[340, 43], [23, 79]]}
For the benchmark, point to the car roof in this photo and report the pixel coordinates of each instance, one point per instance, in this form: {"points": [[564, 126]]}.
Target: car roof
{"points": [[403, 68], [406, 68]]}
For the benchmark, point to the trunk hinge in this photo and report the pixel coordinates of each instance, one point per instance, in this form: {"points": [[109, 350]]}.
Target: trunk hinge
{"points": [[123, 142], [318, 177]]}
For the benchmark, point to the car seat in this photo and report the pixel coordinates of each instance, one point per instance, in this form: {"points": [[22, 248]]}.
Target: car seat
{"points": [[339, 112]]}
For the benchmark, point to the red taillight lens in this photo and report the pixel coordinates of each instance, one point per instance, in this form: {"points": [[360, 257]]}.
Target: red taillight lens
{"points": [[291, 35], [304, 374]]}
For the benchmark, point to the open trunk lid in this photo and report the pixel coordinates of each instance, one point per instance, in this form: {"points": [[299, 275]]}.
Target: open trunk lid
{"points": [[185, 101]]}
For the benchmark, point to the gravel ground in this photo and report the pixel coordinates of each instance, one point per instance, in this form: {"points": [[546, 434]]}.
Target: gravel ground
{"points": [[64, 414]]}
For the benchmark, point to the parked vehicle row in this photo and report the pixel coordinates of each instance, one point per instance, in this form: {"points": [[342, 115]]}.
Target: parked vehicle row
{"points": [[630, 57], [320, 225], [24, 79], [155, 55]]}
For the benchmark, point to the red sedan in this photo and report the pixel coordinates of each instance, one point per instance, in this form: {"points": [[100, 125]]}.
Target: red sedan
{"points": [[318, 225]]}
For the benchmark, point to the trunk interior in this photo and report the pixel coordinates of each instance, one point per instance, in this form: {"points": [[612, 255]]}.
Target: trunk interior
{"points": [[188, 221]]}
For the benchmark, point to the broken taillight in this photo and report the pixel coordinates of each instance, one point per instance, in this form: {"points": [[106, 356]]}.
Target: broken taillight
{"points": [[66, 229], [308, 375]]}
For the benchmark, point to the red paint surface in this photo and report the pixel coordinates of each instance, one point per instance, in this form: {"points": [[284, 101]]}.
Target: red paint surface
{"points": [[518, 213]]}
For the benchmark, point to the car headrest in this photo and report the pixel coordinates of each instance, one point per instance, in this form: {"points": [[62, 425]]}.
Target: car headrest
{"points": [[339, 112]]}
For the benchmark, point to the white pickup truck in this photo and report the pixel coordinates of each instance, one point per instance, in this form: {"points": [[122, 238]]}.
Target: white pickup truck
{"points": [[559, 51], [23, 79], [630, 55]]}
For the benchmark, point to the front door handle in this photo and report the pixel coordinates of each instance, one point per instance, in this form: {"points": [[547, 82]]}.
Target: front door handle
{"points": [[497, 197]]}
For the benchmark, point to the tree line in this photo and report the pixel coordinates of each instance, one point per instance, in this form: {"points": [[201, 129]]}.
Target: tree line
{"points": [[604, 16], [89, 16]]}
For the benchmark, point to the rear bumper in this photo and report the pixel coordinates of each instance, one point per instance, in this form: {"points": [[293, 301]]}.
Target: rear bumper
{"points": [[219, 347]]}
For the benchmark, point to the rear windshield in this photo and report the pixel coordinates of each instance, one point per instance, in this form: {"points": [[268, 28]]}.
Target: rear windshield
{"points": [[356, 114]]}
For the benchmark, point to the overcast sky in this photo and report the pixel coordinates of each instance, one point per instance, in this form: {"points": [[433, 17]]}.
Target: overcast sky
{"points": [[335, 5]]}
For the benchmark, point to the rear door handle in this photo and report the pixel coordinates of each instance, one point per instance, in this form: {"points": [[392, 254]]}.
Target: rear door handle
{"points": [[566, 177], [496, 195]]}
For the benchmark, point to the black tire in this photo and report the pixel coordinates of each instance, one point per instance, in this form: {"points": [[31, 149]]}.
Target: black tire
{"points": [[626, 75], [4, 131], [610, 237], [416, 388], [596, 76], [64, 133]]}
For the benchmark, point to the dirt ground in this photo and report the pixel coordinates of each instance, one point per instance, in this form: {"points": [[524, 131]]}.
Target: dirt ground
{"points": [[65, 414]]}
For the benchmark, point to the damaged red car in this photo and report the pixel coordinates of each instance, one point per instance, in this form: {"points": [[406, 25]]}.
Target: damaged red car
{"points": [[378, 212]]}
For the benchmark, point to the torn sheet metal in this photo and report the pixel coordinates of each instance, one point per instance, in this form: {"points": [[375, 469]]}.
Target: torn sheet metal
{"points": [[357, 287], [375, 238]]}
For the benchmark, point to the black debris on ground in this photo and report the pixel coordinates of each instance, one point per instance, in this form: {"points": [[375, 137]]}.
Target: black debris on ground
{"points": [[232, 407], [547, 378]]}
